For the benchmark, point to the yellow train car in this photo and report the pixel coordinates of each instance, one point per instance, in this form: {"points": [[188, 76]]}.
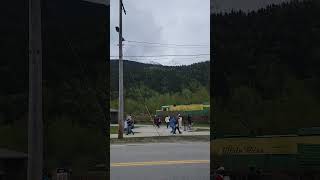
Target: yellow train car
{"points": [[200, 112], [189, 107]]}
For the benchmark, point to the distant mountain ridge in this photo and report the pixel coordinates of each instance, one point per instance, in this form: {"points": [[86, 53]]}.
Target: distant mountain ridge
{"points": [[160, 78], [218, 6]]}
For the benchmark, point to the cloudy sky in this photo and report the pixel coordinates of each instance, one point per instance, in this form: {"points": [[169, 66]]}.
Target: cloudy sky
{"points": [[170, 27], [178, 27]]}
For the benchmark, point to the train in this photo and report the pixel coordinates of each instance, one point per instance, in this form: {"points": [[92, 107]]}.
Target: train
{"points": [[200, 113], [293, 156]]}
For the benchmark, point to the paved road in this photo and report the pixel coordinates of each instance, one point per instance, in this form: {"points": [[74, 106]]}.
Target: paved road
{"points": [[161, 161]]}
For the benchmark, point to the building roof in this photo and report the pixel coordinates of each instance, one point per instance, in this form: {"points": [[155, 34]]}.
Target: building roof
{"points": [[8, 154]]}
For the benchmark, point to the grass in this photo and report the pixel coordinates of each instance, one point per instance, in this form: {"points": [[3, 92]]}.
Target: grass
{"points": [[113, 129]]}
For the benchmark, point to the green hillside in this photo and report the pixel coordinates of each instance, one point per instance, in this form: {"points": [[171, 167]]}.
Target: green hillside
{"points": [[157, 85]]}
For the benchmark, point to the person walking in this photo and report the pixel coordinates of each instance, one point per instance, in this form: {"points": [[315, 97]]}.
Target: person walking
{"points": [[125, 125], [166, 119], [131, 119], [178, 124], [173, 124], [156, 121], [129, 128], [159, 121], [219, 173], [189, 122], [184, 124]]}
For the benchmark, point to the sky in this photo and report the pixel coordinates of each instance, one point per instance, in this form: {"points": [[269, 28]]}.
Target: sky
{"points": [[183, 24], [174, 22]]}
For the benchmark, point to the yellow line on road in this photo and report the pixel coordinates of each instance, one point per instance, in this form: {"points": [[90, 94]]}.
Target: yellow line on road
{"points": [[154, 163]]}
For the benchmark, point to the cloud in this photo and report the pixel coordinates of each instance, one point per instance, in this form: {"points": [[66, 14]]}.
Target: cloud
{"points": [[163, 21]]}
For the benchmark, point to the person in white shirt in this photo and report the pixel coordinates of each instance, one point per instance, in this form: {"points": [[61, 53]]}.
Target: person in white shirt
{"points": [[125, 125], [180, 121], [167, 120]]}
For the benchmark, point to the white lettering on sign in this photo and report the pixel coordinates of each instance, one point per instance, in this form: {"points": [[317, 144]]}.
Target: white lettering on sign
{"points": [[241, 149]]}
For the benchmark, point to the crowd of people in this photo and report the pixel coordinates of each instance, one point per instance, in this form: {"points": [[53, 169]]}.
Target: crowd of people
{"points": [[174, 122]]}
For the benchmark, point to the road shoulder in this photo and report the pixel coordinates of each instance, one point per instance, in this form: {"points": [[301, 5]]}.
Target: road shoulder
{"points": [[199, 138]]}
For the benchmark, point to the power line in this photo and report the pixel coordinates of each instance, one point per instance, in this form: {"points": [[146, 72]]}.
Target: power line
{"points": [[173, 55], [143, 42]]}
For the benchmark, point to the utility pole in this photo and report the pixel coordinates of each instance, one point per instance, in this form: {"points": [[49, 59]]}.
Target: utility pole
{"points": [[121, 105], [35, 124]]}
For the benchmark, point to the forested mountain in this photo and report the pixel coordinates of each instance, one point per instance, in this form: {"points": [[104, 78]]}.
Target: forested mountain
{"points": [[156, 85], [266, 68], [162, 79]]}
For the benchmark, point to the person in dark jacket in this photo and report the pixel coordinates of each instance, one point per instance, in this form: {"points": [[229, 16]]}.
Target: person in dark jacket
{"points": [[156, 121], [172, 123], [178, 124], [189, 122], [159, 121], [129, 126]]}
